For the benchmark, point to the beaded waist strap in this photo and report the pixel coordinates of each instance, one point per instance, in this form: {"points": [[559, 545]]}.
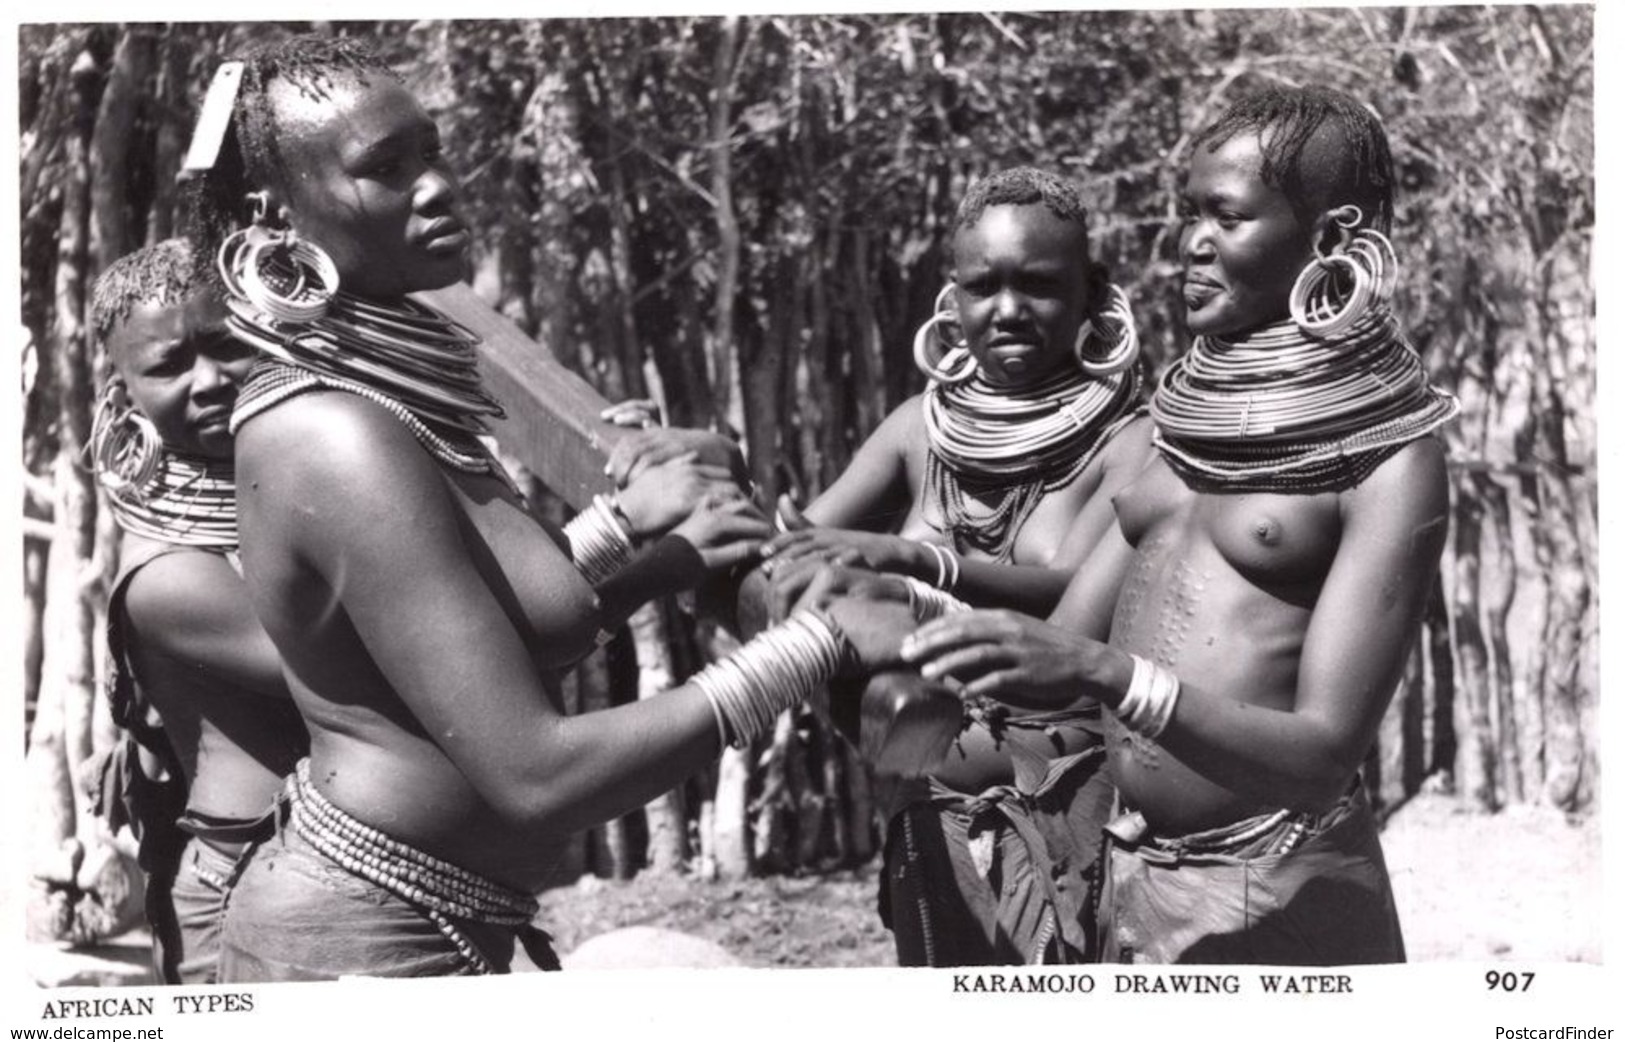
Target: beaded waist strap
{"points": [[441, 889]]}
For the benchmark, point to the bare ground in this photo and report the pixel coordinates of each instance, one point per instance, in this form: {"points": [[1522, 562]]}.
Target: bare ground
{"points": [[1524, 884]]}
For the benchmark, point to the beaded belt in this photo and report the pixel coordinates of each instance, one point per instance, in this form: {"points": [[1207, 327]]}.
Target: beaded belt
{"points": [[441, 889], [1277, 832]]}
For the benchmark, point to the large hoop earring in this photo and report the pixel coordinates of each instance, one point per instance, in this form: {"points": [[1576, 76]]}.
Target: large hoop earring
{"points": [[1119, 355], [284, 276], [1323, 308], [954, 363], [125, 449]]}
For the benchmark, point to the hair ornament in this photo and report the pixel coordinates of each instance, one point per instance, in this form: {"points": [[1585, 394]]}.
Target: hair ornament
{"points": [[214, 119]]}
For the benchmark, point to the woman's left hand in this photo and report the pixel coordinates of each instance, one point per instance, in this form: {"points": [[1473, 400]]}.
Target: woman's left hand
{"points": [[1007, 656], [639, 450], [871, 550], [725, 530], [663, 495]]}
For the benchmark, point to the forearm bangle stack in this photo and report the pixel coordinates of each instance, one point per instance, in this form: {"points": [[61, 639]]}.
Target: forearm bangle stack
{"points": [[600, 544], [947, 566], [1149, 703], [776, 670], [927, 602]]}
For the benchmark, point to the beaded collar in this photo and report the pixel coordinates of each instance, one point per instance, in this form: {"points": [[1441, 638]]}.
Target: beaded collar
{"points": [[1276, 411], [1014, 446], [189, 502]]}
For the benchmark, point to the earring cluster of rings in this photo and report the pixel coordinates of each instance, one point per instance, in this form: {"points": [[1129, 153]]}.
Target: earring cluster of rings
{"points": [[943, 359], [285, 277], [1337, 290]]}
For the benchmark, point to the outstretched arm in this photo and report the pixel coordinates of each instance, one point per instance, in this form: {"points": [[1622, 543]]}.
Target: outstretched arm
{"points": [[373, 520], [1364, 620], [872, 493], [1032, 589]]}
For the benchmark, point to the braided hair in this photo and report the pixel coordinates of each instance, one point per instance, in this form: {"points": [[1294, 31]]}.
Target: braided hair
{"points": [[1323, 148], [165, 273], [250, 156], [1023, 186]]}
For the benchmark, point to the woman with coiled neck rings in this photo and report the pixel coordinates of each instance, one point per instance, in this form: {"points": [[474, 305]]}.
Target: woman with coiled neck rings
{"points": [[992, 487], [423, 616], [1278, 552]]}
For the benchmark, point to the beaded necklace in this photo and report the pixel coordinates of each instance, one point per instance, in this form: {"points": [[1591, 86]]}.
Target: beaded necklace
{"points": [[270, 382], [188, 501], [1277, 411], [1011, 447]]}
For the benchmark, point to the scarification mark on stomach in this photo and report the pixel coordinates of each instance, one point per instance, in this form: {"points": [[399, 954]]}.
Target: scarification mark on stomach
{"points": [[1180, 600], [1131, 597], [1177, 604]]}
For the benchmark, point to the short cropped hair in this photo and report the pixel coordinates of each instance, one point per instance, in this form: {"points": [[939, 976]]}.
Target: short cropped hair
{"points": [[165, 273], [1023, 186], [1321, 148]]}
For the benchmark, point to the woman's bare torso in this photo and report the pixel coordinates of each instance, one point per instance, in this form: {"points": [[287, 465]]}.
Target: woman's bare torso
{"points": [[369, 753], [1222, 588], [235, 747], [978, 760]]}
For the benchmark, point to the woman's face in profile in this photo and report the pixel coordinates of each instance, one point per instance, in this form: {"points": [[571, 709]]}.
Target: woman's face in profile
{"points": [[1242, 244], [1021, 284], [368, 183]]}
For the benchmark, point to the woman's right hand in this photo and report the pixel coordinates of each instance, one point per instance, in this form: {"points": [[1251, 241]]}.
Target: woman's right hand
{"points": [[875, 630], [725, 530], [873, 611], [638, 450], [1016, 659], [664, 494], [799, 541], [815, 582]]}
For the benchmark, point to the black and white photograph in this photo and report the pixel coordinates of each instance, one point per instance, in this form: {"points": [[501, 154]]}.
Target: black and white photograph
{"points": [[1028, 509]]}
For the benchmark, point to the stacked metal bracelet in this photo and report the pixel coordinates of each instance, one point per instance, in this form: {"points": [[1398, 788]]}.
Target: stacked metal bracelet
{"points": [[1149, 703], [926, 602], [777, 669], [600, 540], [947, 566]]}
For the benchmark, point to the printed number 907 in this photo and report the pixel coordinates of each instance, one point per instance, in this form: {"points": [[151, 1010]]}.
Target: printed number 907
{"points": [[1495, 980]]}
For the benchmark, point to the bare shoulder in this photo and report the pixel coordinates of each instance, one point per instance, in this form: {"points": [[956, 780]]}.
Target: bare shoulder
{"points": [[1416, 474], [1130, 447], [901, 434], [905, 424], [1408, 492], [329, 441], [188, 589], [329, 474]]}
